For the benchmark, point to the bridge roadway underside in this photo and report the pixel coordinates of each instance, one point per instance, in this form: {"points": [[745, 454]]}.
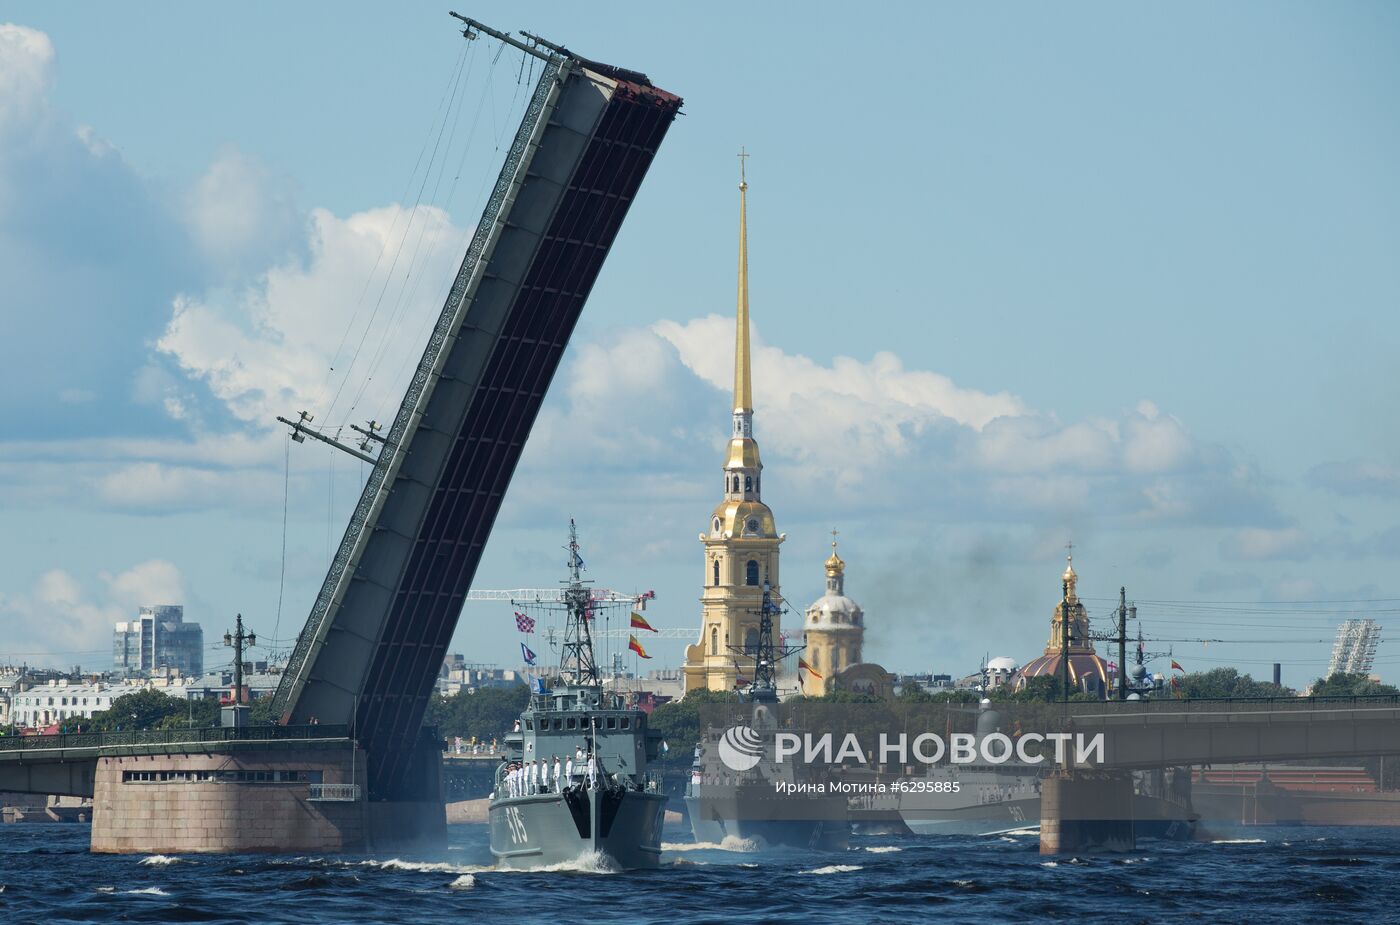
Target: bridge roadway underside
{"points": [[371, 650]]}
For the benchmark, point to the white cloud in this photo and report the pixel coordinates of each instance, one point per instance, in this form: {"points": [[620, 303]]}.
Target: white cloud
{"points": [[269, 349], [60, 622], [1252, 544], [26, 73], [242, 217]]}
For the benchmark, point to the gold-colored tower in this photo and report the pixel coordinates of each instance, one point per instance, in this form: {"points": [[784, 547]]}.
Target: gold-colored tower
{"points": [[741, 542]]}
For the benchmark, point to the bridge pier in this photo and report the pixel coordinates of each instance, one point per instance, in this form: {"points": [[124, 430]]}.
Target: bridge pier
{"points": [[1086, 811], [304, 799]]}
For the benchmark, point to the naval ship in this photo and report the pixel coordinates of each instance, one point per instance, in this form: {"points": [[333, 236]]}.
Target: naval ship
{"points": [[574, 783], [747, 804]]}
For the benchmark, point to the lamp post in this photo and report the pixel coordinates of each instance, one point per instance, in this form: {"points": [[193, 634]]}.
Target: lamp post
{"points": [[238, 639]]}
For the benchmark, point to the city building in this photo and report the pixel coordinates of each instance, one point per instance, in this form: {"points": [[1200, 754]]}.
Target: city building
{"points": [[741, 541], [1087, 672], [458, 674], [158, 638], [59, 701]]}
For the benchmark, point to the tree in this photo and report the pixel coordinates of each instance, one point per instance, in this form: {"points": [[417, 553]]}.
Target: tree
{"points": [[679, 723], [145, 709], [485, 713], [1350, 685], [1220, 683]]}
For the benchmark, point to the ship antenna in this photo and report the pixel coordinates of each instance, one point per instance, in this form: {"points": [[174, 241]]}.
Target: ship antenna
{"points": [[577, 656]]}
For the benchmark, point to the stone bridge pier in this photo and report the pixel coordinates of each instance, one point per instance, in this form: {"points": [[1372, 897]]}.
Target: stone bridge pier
{"points": [[1086, 811]]}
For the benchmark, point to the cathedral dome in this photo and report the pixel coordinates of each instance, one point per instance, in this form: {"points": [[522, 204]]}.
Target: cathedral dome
{"points": [[834, 612]]}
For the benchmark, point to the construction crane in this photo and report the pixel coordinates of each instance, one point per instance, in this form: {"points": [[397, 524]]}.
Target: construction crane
{"points": [[556, 596]]}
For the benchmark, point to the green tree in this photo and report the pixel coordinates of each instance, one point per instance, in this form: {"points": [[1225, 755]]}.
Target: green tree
{"points": [[1350, 685], [679, 723], [145, 709], [486, 713], [1219, 683]]}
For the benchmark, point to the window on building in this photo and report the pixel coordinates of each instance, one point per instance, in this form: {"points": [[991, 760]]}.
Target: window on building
{"points": [[751, 641], [736, 485], [751, 573], [714, 640]]}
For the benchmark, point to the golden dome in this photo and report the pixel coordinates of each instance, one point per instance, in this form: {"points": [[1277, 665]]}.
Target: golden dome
{"points": [[744, 518], [1070, 575], [834, 565]]}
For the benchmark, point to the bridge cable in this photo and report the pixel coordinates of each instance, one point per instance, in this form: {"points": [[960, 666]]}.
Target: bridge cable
{"points": [[384, 244]]}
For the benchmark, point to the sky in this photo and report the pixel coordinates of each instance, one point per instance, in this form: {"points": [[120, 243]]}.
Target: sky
{"points": [[1021, 276]]}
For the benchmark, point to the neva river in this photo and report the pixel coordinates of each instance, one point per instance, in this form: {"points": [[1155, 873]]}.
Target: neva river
{"points": [[1263, 875]]}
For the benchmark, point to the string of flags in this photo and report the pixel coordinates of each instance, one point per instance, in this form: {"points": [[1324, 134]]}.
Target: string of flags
{"points": [[803, 666], [527, 654], [524, 623], [639, 622], [636, 646]]}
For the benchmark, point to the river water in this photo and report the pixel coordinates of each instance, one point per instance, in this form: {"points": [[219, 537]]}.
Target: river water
{"points": [[1258, 875]]}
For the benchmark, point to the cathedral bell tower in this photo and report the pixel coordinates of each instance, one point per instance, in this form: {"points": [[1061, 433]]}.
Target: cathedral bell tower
{"points": [[741, 542]]}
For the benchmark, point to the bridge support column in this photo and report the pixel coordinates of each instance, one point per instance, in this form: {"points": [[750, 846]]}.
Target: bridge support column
{"points": [[302, 799], [1086, 811]]}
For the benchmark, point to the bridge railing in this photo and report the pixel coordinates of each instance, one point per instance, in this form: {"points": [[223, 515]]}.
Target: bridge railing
{"points": [[1228, 704], [187, 736]]}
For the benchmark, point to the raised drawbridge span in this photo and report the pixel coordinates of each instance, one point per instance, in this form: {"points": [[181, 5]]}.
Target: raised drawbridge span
{"points": [[370, 651]]}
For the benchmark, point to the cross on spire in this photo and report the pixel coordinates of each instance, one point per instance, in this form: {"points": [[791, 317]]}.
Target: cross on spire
{"points": [[834, 532], [743, 156]]}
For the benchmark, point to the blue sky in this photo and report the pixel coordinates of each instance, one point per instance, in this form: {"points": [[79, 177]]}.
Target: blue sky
{"points": [[1020, 274]]}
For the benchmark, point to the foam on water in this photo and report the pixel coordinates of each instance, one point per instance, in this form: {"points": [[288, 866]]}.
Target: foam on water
{"points": [[882, 849], [430, 867], [160, 860], [730, 843], [834, 869], [590, 862], [1238, 841], [464, 882], [147, 891]]}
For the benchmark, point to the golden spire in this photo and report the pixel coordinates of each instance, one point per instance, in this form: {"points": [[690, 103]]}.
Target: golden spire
{"points": [[834, 565], [743, 385]]}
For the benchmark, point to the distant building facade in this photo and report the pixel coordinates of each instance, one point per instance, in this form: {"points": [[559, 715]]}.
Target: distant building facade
{"points": [[158, 638]]}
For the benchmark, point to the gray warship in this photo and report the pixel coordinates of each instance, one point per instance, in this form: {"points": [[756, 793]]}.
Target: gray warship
{"points": [[574, 784], [746, 804]]}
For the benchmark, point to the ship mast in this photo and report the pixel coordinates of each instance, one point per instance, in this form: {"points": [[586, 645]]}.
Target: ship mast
{"points": [[766, 653], [576, 661]]}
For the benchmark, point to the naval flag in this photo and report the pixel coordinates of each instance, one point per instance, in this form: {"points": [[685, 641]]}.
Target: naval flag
{"points": [[526, 654]]}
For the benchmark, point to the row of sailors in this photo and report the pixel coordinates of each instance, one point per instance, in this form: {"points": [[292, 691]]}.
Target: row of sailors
{"points": [[534, 777]]}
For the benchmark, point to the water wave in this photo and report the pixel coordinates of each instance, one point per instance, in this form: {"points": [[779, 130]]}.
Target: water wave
{"points": [[464, 882], [146, 891], [882, 849], [730, 843], [160, 860], [834, 869], [1238, 841], [431, 867]]}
